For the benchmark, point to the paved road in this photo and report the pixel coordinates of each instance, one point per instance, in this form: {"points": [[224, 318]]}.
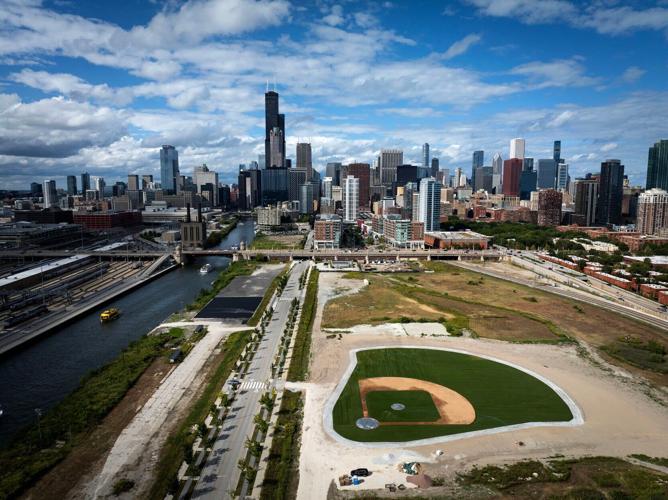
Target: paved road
{"points": [[582, 296], [220, 474]]}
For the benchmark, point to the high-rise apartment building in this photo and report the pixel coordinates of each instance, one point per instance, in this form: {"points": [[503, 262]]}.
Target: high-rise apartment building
{"points": [[586, 197], [327, 187], [425, 155], [429, 211], [85, 182], [361, 171], [512, 170], [390, 159], [333, 170], [296, 177], [99, 186], [250, 194], [50, 194], [273, 120], [304, 160], [133, 182], [517, 148], [610, 193], [351, 187], [169, 169], [71, 185], [549, 207], [657, 166], [547, 174], [652, 211]]}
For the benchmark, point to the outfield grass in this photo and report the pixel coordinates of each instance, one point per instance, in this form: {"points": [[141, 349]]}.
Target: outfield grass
{"points": [[500, 394], [419, 405]]}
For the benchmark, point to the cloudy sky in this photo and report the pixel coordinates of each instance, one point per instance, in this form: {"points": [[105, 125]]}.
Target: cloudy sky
{"points": [[100, 85]]}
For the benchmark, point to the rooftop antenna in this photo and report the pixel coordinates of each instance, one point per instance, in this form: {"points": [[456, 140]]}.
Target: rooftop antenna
{"points": [[274, 83], [267, 86]]}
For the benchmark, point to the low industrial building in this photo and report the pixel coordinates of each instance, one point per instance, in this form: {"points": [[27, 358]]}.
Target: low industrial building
{"points": [[24, 234], [101, 221], [456, 239]]}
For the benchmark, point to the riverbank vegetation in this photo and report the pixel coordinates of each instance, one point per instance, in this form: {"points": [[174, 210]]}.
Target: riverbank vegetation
{"points": [[181, 441], [216, 237], [55, 433]]}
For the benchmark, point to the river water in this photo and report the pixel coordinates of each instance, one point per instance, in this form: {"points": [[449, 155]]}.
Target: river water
{"points": [[40, 374]]}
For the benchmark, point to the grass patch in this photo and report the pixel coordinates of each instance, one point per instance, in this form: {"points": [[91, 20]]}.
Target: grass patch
{"points": [[278, 242], [301, 350], [500, 394], [650, 355], [282, 277], [37, 449], [585, 478], [176, 448], [652, 460], [240, 268], [419, 406], [282, 471]]}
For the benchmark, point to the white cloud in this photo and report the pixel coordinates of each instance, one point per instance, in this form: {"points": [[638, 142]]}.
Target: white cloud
{"points": [[632, 74], [461, 46], [604, 17], [558, 73], [609, 147]]}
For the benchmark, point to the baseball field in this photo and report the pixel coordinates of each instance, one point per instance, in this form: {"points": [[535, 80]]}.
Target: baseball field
{"points": [[423, 393]]}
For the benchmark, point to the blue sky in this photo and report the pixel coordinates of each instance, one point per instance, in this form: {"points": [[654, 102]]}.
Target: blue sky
{"points": [[100, 85]]}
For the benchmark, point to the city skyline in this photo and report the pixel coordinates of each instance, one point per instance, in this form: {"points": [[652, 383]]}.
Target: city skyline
{"points": [[107, 110]]}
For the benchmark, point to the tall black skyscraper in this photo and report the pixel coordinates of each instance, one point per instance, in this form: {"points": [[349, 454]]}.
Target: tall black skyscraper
{"points": [[610, 193], [557, 152], [478, 162], [657, 166], [272, 119], [85, 182]]}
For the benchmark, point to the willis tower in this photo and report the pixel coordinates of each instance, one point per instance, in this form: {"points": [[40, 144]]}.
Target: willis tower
{"points": [[274, 139]]}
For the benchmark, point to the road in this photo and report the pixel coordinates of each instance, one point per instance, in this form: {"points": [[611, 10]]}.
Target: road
{"points": [[220, 474], [581, 295]]}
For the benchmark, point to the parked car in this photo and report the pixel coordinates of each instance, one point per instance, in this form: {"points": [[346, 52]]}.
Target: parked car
{"points": [[360, 472]]}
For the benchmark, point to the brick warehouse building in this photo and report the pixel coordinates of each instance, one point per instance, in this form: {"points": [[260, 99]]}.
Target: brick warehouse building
{"points": [[100, 221]]}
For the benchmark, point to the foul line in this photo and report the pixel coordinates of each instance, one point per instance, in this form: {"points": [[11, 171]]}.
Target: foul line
{"points": [[328, 418]]}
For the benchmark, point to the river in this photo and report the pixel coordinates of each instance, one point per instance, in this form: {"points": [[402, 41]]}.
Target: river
{"points": [[40, 374]]}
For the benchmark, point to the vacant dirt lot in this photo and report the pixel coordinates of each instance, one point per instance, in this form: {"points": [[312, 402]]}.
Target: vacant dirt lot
{"points": [[490, 307]]}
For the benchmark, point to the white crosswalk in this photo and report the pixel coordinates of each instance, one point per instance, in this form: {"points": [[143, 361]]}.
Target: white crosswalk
{"points": [[251, 384]]}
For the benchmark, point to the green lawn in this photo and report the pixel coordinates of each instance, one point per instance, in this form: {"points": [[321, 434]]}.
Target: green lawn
{"points": [[419, 406], [500, 394]]}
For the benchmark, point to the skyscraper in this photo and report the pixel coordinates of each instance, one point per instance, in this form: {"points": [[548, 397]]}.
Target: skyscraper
{"points": [[85, 182], [133, 182], [652, 211], [497, 171], [429, 210], [276, 148], [273, 120], [610, 193], [434, 167], [203, 176], [512, 169], [586, 197], [362, 172], [556, 152], [657, 166], [146, 182], [549, 207], [71, 185], [350, 198], [333, 170], [547, 174], [562, 176], [50, 194], [478, 161], [425, 155], [306, 198], [390, 159], [517, 148], [296, 177], [528, 180], [304, 160], [169, 169]]}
